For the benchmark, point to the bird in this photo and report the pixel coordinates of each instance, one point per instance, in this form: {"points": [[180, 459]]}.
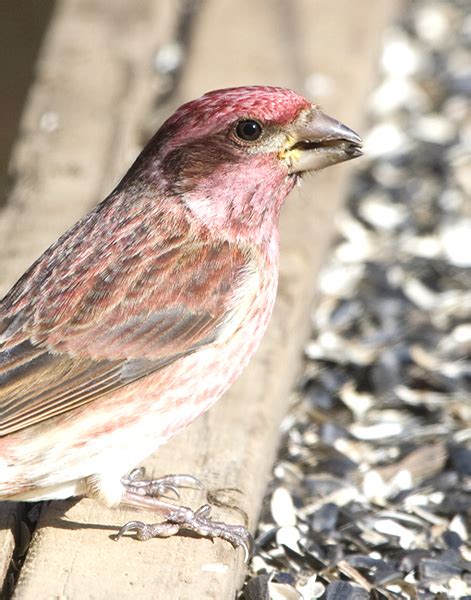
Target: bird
{"points": [[139, 317]]}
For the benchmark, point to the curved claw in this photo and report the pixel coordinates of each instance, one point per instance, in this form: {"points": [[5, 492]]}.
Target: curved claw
{"points": [[164, 490], [199, 522], [240, 537], [236, 535], [183, 480], [136, 474], [129, 526], [134, 482], [145, 531]]}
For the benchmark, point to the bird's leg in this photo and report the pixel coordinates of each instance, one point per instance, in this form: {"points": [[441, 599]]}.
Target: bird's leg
{"points": [[136, 484], [181, 518]]}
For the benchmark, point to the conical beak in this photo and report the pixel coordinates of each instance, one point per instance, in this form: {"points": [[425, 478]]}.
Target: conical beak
{"points": [[318, 141]]}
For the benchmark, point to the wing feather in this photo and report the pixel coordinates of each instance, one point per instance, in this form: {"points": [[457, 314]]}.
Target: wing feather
{"points": [[128, 319]]}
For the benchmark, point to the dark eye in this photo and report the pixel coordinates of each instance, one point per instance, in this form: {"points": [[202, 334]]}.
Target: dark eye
{"points": [[248, 130]]}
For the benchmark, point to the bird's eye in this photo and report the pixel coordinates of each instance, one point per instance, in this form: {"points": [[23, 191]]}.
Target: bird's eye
{"points": [[248, 130]]}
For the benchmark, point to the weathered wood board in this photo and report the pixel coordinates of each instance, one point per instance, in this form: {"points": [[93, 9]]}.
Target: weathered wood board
{"points": [[84, 122]]}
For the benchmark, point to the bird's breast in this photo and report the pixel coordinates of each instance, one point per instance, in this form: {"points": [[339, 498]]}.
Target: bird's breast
{"points": [[122, 428], [205, 375]]}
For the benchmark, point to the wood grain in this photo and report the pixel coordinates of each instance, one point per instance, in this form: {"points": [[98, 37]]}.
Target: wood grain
{"points": [[95, 74]]}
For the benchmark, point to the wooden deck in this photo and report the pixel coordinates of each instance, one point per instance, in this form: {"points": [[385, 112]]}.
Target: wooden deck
{"points": [[94, 101]]}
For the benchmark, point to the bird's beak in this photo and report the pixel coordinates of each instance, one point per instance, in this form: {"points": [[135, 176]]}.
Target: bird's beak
{"points": [[317, 141]]}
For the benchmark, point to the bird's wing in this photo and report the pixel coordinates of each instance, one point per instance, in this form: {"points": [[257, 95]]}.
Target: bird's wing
{"points": [[126, 320]]}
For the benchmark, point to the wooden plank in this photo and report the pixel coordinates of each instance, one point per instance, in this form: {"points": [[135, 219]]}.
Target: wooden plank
{"points": [[21, 32], [83, 121], [82, 125], [8, 527], [231, 448]]}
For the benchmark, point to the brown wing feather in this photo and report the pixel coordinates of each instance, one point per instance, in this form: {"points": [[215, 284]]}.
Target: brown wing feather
{"points": [[129, 318]]}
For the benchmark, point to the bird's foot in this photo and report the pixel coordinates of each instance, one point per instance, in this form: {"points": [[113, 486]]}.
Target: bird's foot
{"points": [[180, 518], [160, 487]]}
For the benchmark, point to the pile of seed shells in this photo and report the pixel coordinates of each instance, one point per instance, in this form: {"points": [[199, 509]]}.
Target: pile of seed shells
{"points": [[371, 493]]}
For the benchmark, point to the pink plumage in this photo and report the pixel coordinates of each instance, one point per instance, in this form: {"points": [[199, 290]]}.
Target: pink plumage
{"points": [[141, 315]]}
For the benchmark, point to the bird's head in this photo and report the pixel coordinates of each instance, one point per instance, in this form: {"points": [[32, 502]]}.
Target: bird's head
{"points": [[239, 151]]}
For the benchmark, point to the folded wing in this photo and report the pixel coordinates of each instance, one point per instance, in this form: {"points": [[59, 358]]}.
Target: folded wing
{"points": [[130, 317]]}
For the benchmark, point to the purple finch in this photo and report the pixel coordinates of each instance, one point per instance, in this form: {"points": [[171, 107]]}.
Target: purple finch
{"points": [[142, 314]]}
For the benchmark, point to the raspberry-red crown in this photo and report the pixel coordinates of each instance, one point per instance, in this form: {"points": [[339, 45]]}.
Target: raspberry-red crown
{"points": [[268, 104]]}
